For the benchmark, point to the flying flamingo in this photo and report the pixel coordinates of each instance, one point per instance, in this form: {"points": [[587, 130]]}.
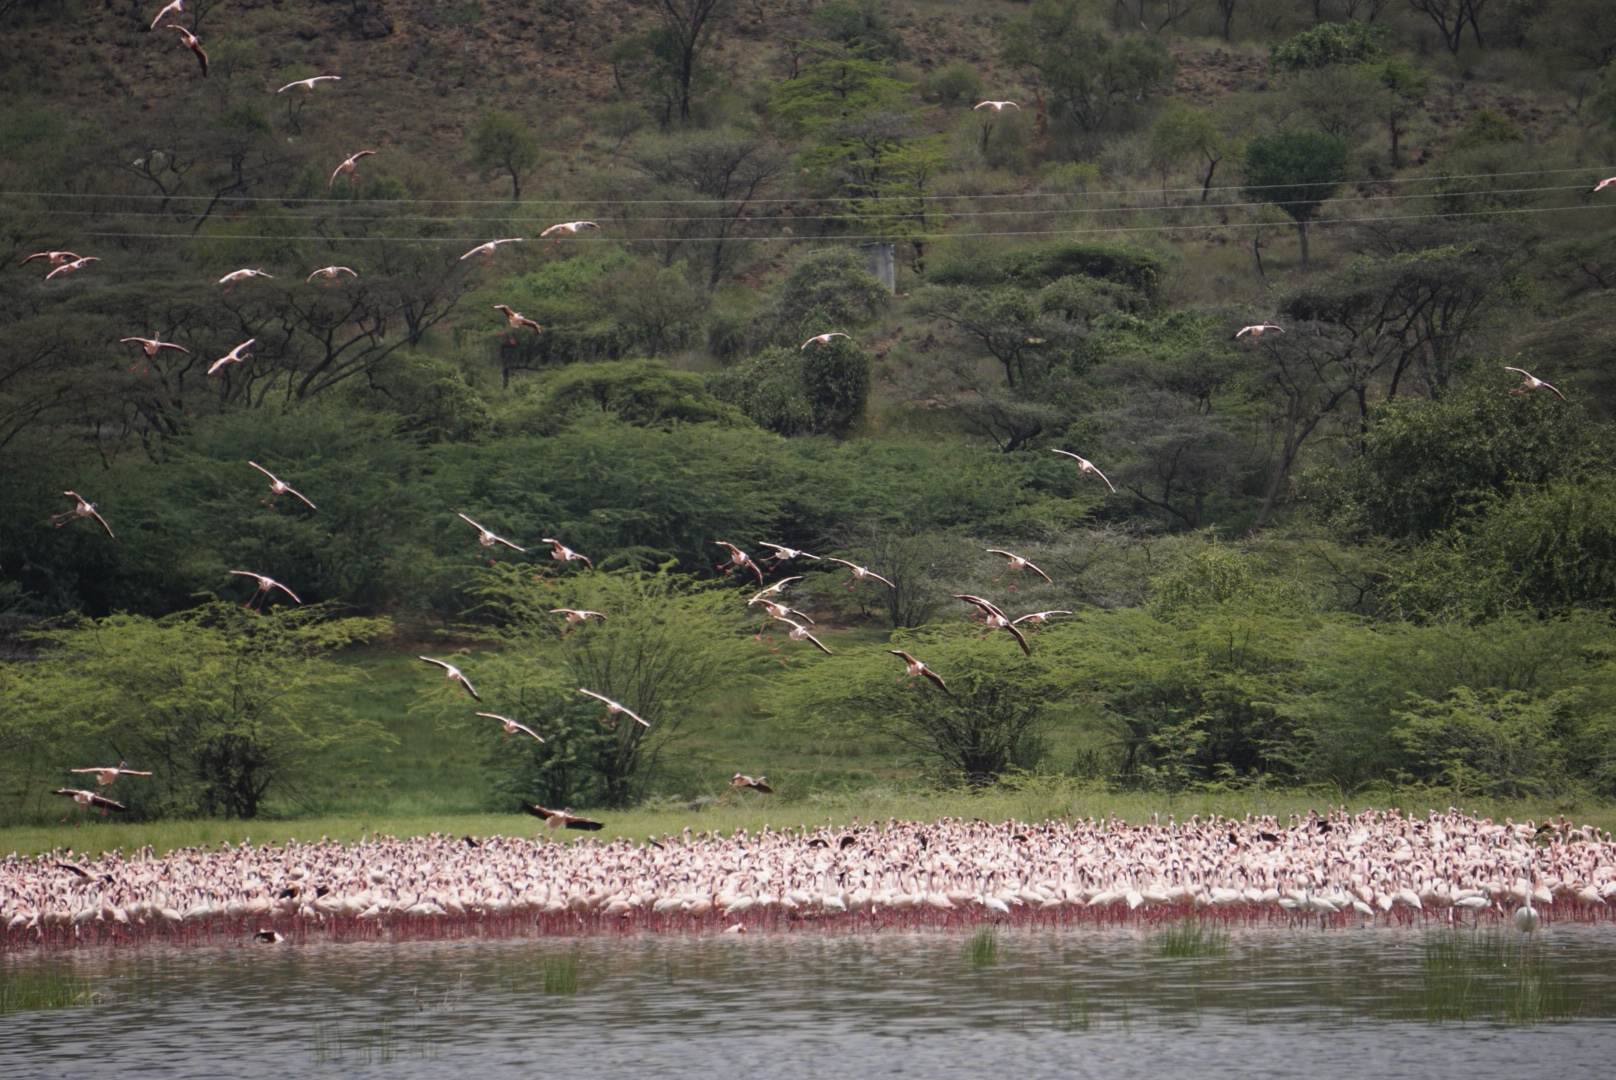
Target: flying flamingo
{"points": [[774, 590], [821, 340], [107, 774], [1602, 185], [487, 537], [800, 632], [562, 553], [613, 708], [489, 248], [1258, 330], [517, 319], [996, 106], [175, 8], [87, 799], [308, 84], [234, 356], [563, 819], [784, 554], [576, 616], [738, 559], [281, 487], [266, 585], [1038, 617], [235, 277], [566, 228], [150, 345], [190, 41], [1532, 382], [84, 508], [55, 258], [329, 272], [995, 619], [454, 674], [860, 573], [511, 726], [756, 783], [778, 611], [351, 167], [72, 267], [1085, 465], [1018, 564], [915, 667]]}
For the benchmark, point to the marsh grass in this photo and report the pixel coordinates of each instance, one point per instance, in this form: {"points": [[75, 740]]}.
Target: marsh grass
{"points": [[983, 951], [1189, 938], [27, 989], [379, 1041], [1493, 977], [560, 973]]}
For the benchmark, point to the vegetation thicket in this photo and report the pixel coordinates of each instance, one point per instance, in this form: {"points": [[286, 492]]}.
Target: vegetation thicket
{"points": [[1351, 554]]}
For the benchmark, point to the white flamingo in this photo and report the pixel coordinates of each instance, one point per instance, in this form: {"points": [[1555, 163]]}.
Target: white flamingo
{"points": [[266, 585], [915, 667], [487, 537], [454, 674], [234, 356], [281, 487], [800, 632], [351, 167], [190, 41], [1085, 465], [821, 340], [562, 553], [1018, 564], [563, 819], [1258, 330], [55, 258], [1602, 185], [995, 618], [236, 277], [577, 615], [109, 773], [756, 783], [785, 554], [511, 726], [172, 9], [330, 272], [82, 508], [739, 560], [613, 708], [489, 248], [996, 106], [308, 85], [150, 345], [72, 267], [87, 799], [778, 611], [1038, 617], [860, 573], [1532, 382], [774, 590], [517, 319], [566, 228]]}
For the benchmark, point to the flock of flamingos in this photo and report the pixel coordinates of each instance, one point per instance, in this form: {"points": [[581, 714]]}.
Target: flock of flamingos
{"points": [[1330, 868]]}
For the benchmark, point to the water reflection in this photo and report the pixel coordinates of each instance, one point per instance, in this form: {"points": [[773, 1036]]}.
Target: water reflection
{"points": [[1038, 1002]]}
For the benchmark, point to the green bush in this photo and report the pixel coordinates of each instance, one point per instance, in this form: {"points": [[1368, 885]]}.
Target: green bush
{"points": [[1351, 42]]}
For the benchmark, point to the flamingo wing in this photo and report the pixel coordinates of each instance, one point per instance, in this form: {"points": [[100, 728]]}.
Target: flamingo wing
{"points": [[507, 543], [819, 644], [273, 584], [300, 495], [936, 679], [1040, 573], [1020, 639]]}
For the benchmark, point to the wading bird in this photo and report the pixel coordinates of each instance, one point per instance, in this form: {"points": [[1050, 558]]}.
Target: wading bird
{"points": [[1085, 465], [563, 819], [55, 258], [800, 632], [454, 674], [87, 799], [995, 619], [915, 667], [1017, 563], [235, 277], [774, 590], [1532, 382], [1259, 330], [281, 487], [562, 553], [1526, 916], [490, 248], [996, 106], [487, 537], [511, 726], [351, 167], [613, 708], [517, 319], [266, 585], [756, 783], [821, 340], [309, 84], [190, 41], [784, 554], [84, 508], [150, 345], [72, 267], [738, 560], [330, 273], [107, 774], [576, 616], [234, 356], [565, 229], [172, 9], [860, 573]]}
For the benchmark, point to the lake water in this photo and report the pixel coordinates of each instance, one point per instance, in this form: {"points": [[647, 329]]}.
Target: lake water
{"points": [[1051, 1003]]}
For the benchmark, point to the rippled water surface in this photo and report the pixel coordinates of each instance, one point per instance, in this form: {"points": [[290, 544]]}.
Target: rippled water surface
{"points": [[1042, 1002]]}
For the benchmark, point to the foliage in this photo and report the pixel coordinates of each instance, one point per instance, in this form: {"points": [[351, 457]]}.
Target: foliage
{"points": [[1350, 42], [641, 392], [1297, 171], [828, 290], [1188, 134], [795, 391], [1037, 266], [1497, 742], [862, 26], [1087, 72], [836, 87], [502, 143], [223, 706]]}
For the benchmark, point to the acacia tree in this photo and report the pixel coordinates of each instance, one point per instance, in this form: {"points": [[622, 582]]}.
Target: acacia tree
{"points": [[731, 172], [1086, 71], [1297, 171], [503, 144], [685, 32]]}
